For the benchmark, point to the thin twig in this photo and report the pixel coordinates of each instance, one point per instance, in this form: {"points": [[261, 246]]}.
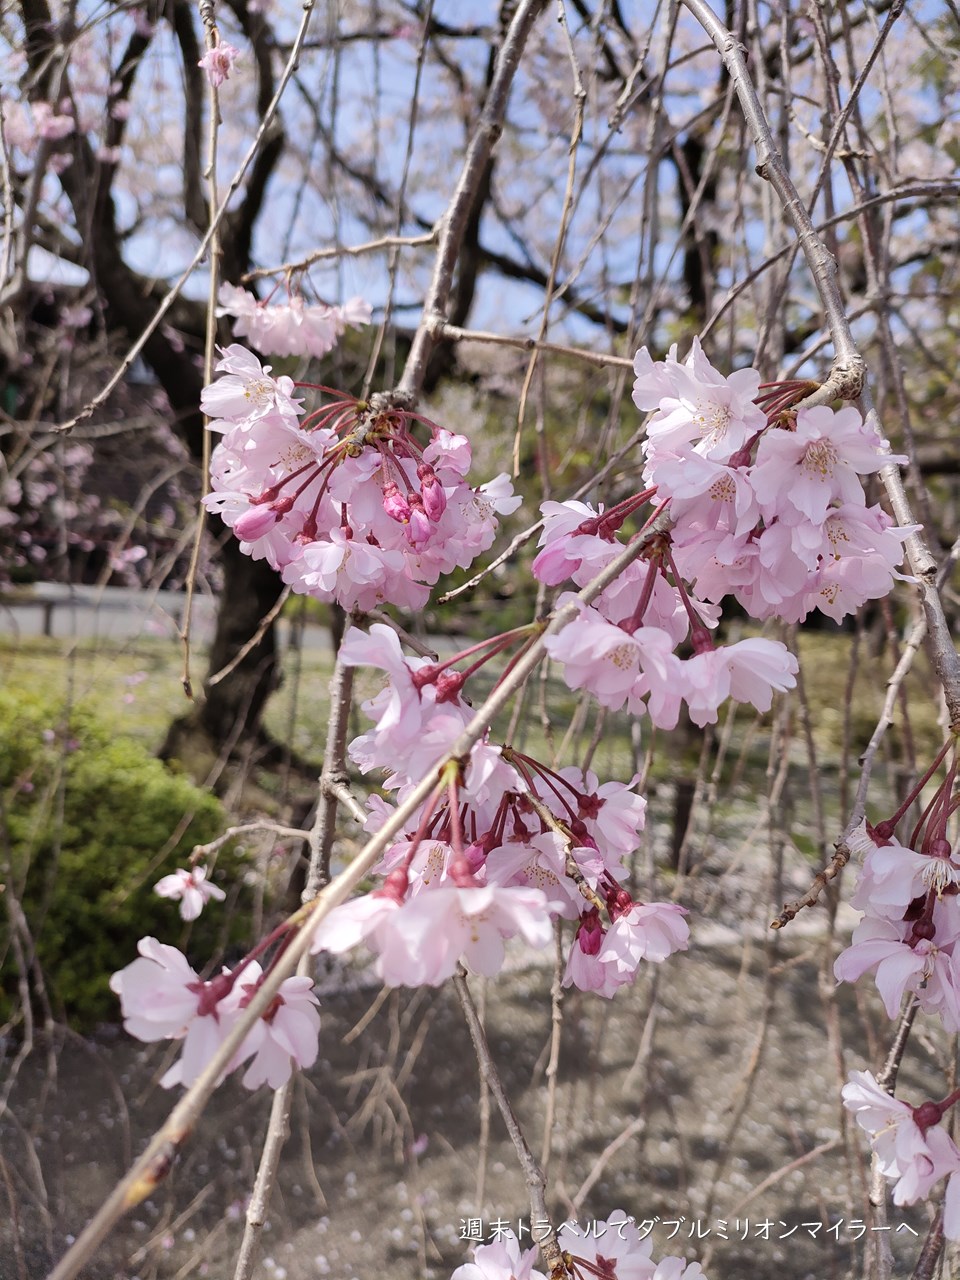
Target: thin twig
{"points": [[275, 828], [266, 622], [343, 251], [847, 375], [174, 292], [532, 1172], [488, 130], [278, 1130], [579, 98], [604, 359], [334, 772]]}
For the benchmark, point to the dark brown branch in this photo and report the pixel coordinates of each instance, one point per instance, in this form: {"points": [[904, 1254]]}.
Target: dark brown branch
{"points": [[194, 206]]}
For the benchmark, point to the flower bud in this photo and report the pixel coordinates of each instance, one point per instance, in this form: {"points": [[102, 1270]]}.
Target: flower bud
{"points": [[255, 522], [395, 504], [434, 498]]}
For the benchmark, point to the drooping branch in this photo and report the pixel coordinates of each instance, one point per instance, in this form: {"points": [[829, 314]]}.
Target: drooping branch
{"points": [[846, 379], [847, 375], [456, 218], [153, 1164]]}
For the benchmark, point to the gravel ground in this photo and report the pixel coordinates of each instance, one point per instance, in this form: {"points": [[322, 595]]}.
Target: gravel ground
{"points": [[703, 1101]]}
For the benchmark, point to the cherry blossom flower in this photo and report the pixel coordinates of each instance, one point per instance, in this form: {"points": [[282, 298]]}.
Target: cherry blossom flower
{"points": [[695, 404], [904, 962], [161, 998], [618, 666], [156, 992], [420, 939], [817, 463], [217, 63], [585, 970], [893, 876], [910, 1146], [283, 1037], [615, 1248], [52, 124], [747, 671], [246, 392], [500, 1260], [292, 328], [192, 888], [648, 931], [344, 503]]}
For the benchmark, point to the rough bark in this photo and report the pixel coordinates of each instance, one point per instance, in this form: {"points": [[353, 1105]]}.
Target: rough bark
{"points": [[230, 713]]}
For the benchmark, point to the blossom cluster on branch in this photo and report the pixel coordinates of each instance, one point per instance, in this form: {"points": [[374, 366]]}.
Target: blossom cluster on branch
{"points": [[344, 501], [614, 1249], [746, 494]]}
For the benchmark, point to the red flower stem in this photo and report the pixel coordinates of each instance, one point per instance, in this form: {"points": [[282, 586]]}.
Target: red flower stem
{"points": [[320, 417], [330, 391], [635, 621], [453, 807], [892, 822]]}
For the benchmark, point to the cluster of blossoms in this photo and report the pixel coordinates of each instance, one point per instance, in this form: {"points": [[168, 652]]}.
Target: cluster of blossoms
{"points": [[162, 998], [908, 937], [909, 895], [762, 504], [290, 328], [615, 1250], [504, 846], [344, 502], [911, 1144]]}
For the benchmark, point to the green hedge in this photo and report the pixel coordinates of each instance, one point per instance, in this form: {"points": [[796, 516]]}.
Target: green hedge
{"points": [[84, 815]]}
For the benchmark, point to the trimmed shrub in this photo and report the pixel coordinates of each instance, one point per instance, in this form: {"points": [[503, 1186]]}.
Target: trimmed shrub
{"points": [[89, 822]]}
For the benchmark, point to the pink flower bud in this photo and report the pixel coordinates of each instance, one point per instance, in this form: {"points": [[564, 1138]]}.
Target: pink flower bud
{"points": [[434, 498], [395, 504], [476, 856], [590, 934], [255, 522], [419, 528]]}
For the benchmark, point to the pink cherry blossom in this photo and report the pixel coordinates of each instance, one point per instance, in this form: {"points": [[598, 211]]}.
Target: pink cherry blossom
{"points": [[192, 888], [612, 1247], [923, 966], [705, 492], [748, 671], [343, 504], [421, 942], [695, 404], [292, 327], [503, 1259], [618, 666], [247, 392], [50, 123], [157, 995], [917, 1156], [817, 463], [285, 1036], [217, 63], [161, 998]]}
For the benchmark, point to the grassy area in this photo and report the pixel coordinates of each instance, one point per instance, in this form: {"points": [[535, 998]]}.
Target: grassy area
{"points": [[136, 687]]}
